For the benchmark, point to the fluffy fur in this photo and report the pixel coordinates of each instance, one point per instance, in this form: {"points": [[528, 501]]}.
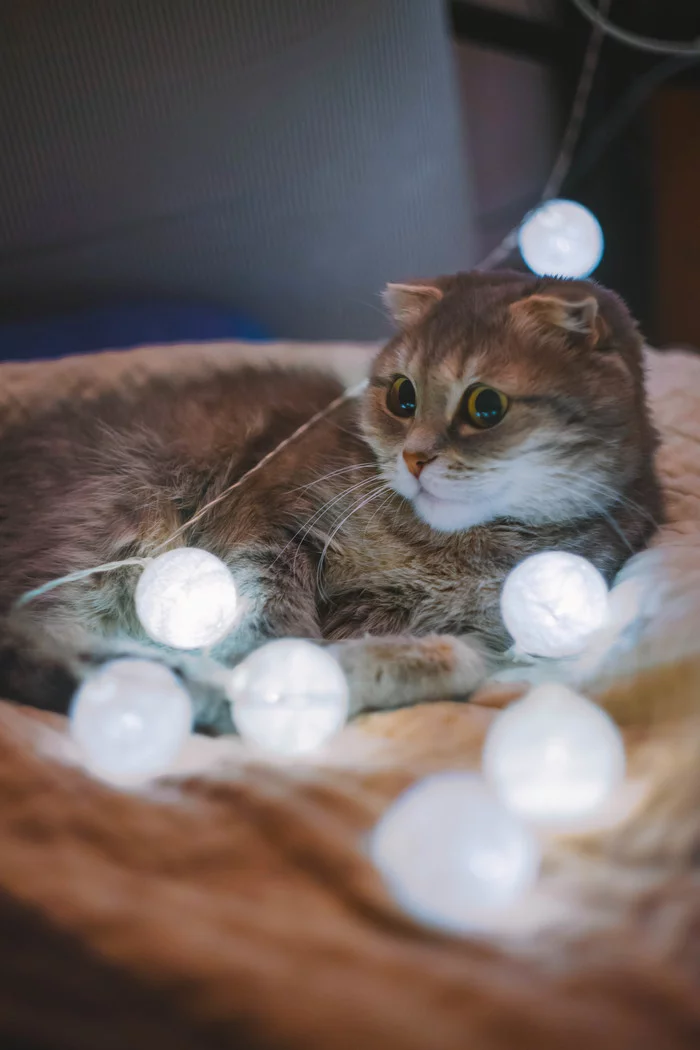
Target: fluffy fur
{"points": [[337, 540], [243, 911]]}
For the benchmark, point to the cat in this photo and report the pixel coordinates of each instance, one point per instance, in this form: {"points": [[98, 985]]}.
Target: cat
{"points": [[507, 416]]}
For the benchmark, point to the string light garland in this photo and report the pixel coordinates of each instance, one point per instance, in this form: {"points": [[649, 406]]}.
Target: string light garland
{"points": [[130, 719], [554, 757], [561, 239], [288, 697], [459, 851], [452, 855], [553, 602], [186, 598]]}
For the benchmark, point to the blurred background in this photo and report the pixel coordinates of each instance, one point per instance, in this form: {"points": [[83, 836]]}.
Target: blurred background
{"points": [[184, 169]]}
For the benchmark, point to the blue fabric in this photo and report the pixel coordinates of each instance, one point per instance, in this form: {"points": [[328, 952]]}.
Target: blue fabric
{"points": [[121, 327]]}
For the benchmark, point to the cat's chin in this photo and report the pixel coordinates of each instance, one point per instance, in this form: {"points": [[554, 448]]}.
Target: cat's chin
{"points": [[446, 515], [443, 515]]}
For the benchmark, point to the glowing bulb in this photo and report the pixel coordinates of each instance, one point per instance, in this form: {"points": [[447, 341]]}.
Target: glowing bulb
{"points": [[289, 696], [186, 598], [561, 239], [554, 757], [130, 720], [451, 853], [553, 602]]}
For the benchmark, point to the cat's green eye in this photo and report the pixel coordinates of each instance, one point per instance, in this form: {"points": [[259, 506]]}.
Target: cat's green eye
{"points": [[483, 407], [401, 399]]}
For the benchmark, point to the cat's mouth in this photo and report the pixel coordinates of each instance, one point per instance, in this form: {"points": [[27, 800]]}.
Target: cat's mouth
{"points": [[413, 489]]}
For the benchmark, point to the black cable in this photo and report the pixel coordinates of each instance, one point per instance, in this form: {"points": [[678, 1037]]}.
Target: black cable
{"points": [[595, 145], [623, 111], [570, 171], [641, 43], [564, 159]]}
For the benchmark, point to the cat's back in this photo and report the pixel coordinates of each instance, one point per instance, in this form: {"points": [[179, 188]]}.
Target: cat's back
{"points": [[189, 412], [78, 470]]}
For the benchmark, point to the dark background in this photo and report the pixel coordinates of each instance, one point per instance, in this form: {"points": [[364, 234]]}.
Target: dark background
{"points": [[284, 160], [638, 161]]}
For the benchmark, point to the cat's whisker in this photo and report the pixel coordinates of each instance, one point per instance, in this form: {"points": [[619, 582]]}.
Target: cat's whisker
{"points": [[337, 498], [339, 522], [610, 493], [379, 509], [359, 506], [379, 309], [342, 429], [609, 518], [333, 474], [365, 499], [569, 476], [618, 497], [306, 527]]}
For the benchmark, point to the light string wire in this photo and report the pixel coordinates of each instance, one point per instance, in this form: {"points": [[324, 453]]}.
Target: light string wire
{"points": [[323, 413], [654, 45], [570, 139], [80, 574], [499, 253]]}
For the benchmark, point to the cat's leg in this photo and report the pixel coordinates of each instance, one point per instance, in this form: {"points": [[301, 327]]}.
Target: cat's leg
{"points": [[397, 671], [276, 588]]}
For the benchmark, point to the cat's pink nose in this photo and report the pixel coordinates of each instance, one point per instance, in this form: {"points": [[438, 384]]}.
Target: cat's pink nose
{"points": [[415, 461]]}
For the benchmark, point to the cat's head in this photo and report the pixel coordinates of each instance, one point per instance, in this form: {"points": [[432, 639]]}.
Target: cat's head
{"points": [[508, 396]]}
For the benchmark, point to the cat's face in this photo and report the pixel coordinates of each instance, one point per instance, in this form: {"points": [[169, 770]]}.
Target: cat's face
{"points": [[505, 397]]}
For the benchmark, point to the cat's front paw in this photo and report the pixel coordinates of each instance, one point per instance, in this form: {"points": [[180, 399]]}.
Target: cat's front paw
{"points": [[397, 671]]}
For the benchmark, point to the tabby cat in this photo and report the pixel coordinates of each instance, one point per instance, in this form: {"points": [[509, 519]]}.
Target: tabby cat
{"points": [[507, 416]]}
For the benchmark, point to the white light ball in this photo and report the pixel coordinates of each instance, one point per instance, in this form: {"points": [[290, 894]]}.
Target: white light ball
{"points": [[186, 598], [561, 239], [130, 719], [289, 696], [553, 602], [554, 757], [452, 855]]}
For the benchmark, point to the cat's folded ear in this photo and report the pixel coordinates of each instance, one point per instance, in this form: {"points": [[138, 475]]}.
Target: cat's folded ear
{"points": [[409, 303], [579, 318]]}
